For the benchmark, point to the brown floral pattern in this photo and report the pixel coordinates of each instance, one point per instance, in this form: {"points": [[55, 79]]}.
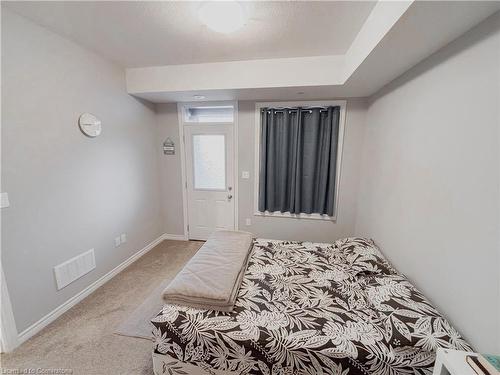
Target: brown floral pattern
{"points": [[309, 308]]}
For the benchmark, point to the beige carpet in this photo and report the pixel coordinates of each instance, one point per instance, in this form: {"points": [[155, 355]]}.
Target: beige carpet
{"points": [[138, 323], [83, 339]]}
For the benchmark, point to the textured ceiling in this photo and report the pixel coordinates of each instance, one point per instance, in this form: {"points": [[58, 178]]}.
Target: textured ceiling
{"points": [[153, 33]]}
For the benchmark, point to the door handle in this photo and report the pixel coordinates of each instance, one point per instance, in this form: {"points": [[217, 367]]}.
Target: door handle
{"points": [[229, 196]]}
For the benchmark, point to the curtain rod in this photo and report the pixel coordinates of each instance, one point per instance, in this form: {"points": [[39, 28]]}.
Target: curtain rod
{"points": [[297, 108], [282, 110]]}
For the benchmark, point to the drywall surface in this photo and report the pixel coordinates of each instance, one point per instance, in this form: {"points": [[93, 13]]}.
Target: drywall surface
{"points": [[429, 191], [69, 193], [170, 170], [302, 229], [269, 227]]}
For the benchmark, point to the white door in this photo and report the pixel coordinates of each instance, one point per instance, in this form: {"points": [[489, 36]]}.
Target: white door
{"points": [[210, 179]]}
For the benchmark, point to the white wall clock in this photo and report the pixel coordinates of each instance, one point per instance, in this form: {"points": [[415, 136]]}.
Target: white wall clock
{"points": [[89, 124]]}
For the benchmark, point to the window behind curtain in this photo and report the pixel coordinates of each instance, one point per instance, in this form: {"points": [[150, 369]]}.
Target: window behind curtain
{"points": [[298, 160]]}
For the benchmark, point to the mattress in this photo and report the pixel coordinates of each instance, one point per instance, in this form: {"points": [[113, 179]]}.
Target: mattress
{"points": [[310, 308]]}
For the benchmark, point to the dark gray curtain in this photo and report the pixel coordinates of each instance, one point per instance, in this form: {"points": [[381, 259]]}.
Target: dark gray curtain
{"points": [[298, 160]]}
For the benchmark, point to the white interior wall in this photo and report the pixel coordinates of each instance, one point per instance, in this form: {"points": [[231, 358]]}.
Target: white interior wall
{"points": [[268, 227], [69, 193], [302, 229], [427, 229], [429, 192], [170, 170]]}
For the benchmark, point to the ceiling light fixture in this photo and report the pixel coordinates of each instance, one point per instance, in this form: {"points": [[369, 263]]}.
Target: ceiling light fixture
{"points": [[222, 16], [199, 97]]}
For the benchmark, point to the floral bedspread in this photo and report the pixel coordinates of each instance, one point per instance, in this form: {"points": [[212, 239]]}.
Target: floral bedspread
{"points": [[311, 308]]}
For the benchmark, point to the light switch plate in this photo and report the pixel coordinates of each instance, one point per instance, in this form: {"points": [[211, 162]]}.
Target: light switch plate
{"points": [[117, 241], [4, 200], [245, 175], [248, 221], [123, 237]]}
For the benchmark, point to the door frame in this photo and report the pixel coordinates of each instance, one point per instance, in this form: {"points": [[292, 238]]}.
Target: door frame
{"points": [[181, 106], [9, 338]]}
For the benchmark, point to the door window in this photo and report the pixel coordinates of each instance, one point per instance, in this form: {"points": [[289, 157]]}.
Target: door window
{"points": [[209, 161]]}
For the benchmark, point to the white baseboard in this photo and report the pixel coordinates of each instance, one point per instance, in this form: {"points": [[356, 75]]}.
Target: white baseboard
{"points": [[175, 237], [54, 314]]}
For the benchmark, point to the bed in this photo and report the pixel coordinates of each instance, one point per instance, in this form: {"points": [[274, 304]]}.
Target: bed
{"points": [[309, 308]]}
